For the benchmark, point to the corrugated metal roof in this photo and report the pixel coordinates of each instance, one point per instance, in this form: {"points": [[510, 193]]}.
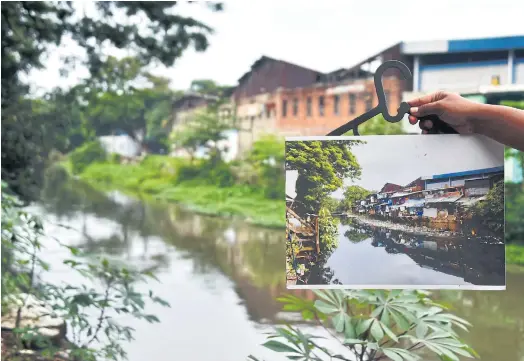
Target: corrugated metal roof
{"points": [[469, 201], [414, 203], [443, 199]]}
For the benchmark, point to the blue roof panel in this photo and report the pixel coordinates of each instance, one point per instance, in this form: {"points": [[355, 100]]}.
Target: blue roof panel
{"points": [[469, 172], [486, 44]]}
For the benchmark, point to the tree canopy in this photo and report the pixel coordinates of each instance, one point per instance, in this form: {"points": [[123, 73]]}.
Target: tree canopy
{"points": [[322, 167], [151, 32], [353, 194]]}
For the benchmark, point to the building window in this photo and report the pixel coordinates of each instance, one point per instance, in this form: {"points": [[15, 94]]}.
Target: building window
{"points": [[352, 103], [321, 105], [308, 106], [284, 108], [369, 101], [336, 104], [295, 107]]}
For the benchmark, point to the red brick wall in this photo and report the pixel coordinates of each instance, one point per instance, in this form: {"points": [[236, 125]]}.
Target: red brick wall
{"points": [[315, 124]]}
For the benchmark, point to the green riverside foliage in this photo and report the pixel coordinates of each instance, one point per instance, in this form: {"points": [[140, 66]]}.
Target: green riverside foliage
{"points": [[113, 290], [200, 186], [88, 153], [372, 325], [267, 159], [380, 126], [31, 29]]}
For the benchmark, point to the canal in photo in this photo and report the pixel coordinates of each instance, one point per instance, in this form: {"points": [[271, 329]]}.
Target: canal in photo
{"points": [[377, 255], [221, 277]]}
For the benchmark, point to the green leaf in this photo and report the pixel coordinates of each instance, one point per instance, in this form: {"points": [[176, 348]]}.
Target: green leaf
{"points": [[421, 330], [363, 326], [325, 307], [390, 333], [338, 321], [376, 331], [349, 329], [278, 346], [392, 355], [401, 322]]}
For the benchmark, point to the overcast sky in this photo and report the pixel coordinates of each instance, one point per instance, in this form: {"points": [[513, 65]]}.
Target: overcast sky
{"points": [[400, 159], [324, 35]]}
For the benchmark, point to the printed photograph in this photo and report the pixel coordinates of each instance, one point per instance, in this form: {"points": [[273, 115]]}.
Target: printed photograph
{"points": [[401, 211]]}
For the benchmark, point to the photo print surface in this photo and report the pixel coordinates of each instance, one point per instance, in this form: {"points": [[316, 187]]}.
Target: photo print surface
{"points": [[396, 212]]}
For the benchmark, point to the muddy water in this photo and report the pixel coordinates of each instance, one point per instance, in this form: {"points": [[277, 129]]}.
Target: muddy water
{"points": [[221, 278]]}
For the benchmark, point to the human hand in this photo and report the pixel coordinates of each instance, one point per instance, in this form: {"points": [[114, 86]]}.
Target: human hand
{"points": [[453, 109]]}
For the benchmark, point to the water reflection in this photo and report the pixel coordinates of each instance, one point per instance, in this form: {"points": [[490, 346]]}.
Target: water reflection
{"points": [[369, 255], [222, 278]]}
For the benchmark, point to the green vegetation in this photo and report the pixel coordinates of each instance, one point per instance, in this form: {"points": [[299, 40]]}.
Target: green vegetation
{"points": [[353, 194], [373, 325], [379, 126], [208, 186], [88, 153], [63, 119], [108, 288], [321, 167]]}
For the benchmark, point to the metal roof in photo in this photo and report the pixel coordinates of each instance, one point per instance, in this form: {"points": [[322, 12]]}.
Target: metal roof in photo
{"points": [[469, 201], [442, 200]]}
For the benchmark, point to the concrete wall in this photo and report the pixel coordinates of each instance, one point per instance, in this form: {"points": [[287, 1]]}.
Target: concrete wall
{"points": [[255, 118], [456, 77]]}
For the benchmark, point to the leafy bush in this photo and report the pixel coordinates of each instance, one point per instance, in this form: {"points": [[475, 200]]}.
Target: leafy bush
{"points": [[267, 158], [88, 153], [373, 325], [115, 158], [116, 291]]}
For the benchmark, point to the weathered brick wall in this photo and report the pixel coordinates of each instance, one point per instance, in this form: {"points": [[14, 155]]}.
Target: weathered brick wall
{"points": [[316, 124]]}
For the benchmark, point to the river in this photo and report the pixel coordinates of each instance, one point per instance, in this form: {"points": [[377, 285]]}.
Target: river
{"points": [[221, 278], [369, 254]]}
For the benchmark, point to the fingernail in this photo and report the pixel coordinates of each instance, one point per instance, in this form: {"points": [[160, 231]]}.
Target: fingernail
{"points": [[413, 110]]}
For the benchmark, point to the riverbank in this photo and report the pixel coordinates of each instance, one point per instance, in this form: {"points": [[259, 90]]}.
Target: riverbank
{"points": [[514, 251], [421, 231], [154, 179]]}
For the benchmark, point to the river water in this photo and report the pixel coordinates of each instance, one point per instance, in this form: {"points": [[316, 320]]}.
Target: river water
{"points": [[221, 278], [375, 255]]}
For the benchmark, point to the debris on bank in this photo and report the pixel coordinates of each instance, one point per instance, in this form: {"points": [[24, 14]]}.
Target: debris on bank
{"points": [[418, 230]]}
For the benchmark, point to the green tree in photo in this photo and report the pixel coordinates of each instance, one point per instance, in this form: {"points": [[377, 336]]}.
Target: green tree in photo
{"points": [[352, 194], [322, 166]]}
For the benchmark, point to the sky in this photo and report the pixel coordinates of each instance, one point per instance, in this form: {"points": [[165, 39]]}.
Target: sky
{"points": [[400, 159], [323, 35]]}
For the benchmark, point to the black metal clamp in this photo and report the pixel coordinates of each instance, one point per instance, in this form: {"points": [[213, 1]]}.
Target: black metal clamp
{"points": [[439, 126]]}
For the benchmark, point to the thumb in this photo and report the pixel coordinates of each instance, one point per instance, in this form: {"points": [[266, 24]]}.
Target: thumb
{"points": [[426, 109]]}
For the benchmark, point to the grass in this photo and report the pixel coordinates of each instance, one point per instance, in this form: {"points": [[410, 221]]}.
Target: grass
{"points": [[155, 178], [515, 254]]}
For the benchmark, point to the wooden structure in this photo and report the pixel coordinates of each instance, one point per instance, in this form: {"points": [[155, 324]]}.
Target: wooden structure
{"points": [[302, 243]]}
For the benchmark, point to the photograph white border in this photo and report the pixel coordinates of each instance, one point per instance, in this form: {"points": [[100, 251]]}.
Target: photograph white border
{"points": [[464, 287]]}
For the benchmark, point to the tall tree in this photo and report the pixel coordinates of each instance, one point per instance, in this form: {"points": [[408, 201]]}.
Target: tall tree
{"points": [[322, 167], [353, 194], [152, 31]]}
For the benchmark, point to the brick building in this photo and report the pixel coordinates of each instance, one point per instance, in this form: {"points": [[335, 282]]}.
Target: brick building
{"points": [[254, 95]]}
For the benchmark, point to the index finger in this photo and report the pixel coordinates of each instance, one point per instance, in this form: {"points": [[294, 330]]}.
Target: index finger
{"points": [[421, 101]]}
